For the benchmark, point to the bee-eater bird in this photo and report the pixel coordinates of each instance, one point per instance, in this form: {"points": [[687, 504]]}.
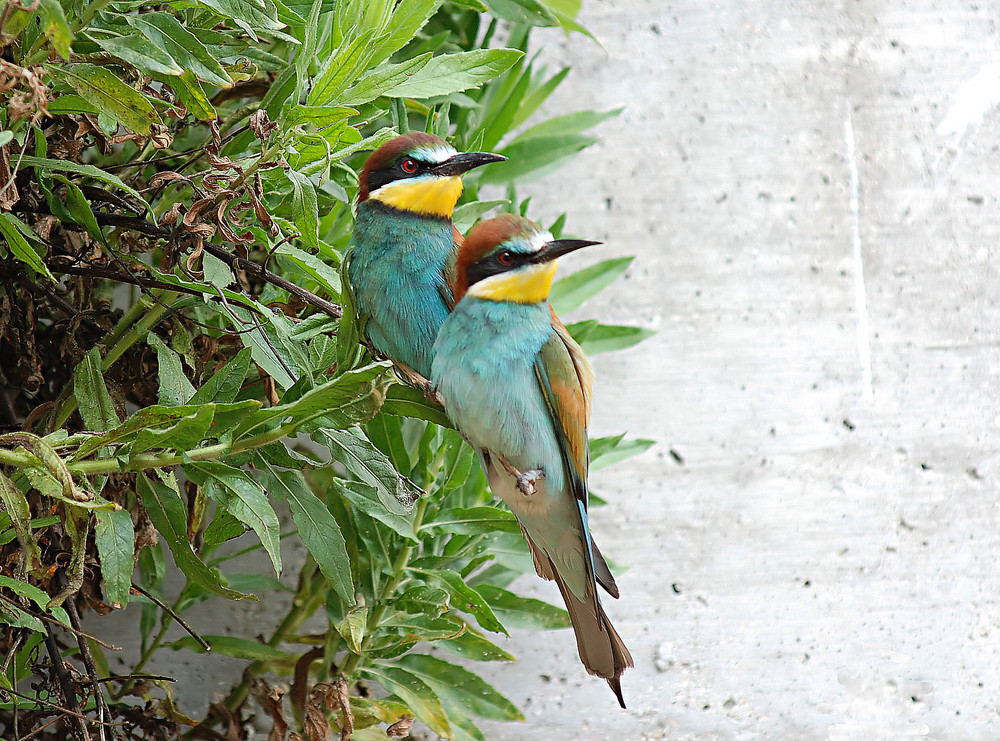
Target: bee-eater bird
{"points": [[517, 386], [403, 234]]}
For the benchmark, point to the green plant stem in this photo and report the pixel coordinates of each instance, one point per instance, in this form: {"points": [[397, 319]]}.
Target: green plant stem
{"points": [[382, 599], [125, 334]]}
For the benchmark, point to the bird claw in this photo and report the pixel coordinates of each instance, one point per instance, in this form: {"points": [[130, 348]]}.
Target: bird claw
{"points": [[419, 382], [527, 480]]}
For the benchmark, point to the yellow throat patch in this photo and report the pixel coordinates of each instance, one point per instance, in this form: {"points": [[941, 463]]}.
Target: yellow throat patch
{"points": [[435, 196], [529, 285]]}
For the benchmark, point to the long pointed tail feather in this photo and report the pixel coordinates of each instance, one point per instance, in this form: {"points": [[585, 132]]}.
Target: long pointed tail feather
{"points": [[602, 650]]}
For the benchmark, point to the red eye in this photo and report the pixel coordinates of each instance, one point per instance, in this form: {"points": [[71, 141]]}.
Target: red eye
{"points": [[408, 166], [505, 258]]}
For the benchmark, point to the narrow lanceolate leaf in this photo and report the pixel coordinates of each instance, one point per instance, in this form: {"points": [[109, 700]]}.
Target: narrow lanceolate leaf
{"points": [[569, 293], [80, 210], [175, 388], [251, 17], [328, 277], [450, 73], [240, 495], [166, 32], [238, 648], [88, 170], [607, 451], [469, 213], [304, 208], [20, 247], [420, 698], [465, 689], [96, 407], [109, 94], [184, 434], [344, 401], [406, 401], [137, 51], [475, 647], [464, 597], [529, 12], [369, 464], [17, 509], [115, 537], [36, 595], [56, 28], [408, 17], [596, 338], [523, 612], [191, 93], [225, 383], [365, 498], [381, 80], [168, 514], [317, 527], [473, 521]]}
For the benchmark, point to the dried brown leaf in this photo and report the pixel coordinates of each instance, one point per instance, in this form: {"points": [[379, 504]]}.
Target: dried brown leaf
{"points": [[400, 728]]}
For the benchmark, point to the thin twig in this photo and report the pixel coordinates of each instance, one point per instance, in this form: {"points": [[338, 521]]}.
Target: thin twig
{"points": [[66, 688], [88, 661], [180, 621]]}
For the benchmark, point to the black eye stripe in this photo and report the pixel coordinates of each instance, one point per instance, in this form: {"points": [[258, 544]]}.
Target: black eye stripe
{"points": [[494, 265]]}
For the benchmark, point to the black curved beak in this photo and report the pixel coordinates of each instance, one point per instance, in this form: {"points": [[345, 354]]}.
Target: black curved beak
{"points": [[466, 161], [559, 247]]}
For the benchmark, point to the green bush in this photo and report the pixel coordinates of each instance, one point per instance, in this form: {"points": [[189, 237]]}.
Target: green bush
{"points": [[175, 197]]}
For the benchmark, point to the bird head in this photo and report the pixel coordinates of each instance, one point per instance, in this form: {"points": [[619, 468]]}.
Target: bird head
{"points": [[510, 259], [419, 173]]}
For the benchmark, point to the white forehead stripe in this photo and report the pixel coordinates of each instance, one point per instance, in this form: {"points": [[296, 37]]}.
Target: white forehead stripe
{"points": [[537, 240], [436, 154]]}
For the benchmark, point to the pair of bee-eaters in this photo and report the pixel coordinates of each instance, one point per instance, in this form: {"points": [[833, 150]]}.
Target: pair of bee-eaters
{"points": [[472, 317]]}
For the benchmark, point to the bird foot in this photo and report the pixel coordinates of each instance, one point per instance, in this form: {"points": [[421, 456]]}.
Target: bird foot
{"points": [[527, 480], [419, 382]]}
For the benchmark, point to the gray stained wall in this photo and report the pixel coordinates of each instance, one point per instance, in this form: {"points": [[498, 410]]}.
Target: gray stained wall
{"points": [[811, 191]]}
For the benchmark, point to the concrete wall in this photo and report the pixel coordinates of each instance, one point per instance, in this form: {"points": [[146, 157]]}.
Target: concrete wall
{"points": [[811, 190]]}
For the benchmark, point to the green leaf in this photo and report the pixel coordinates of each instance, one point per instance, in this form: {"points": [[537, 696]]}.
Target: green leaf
{"points": [[415, 693], [532, 158], [571, 123], [596, 338], [305, 210], [382, 80], [36, 595], [191, 94], [341, 69], [56, 28], [80, 210], [166, 32], [365, 498], [88, 170], [406, 401], [529, 12], [345, 400], [464, 597], [251, 17], [168, 514], [19, 246], [224, 384], [6, 137], [137, 51], [461, 687], [607, 451], [523, 612], [112, 97], [352, 628], [96, 407], [319, 116], [175, 388], [115, 538], [449, 73], [328, 277], [369, 464], [473, 646], [317, 527], [238, 648], [469, 213], [570, 292], [17, 509], [473, 521], [408, 18], [241, 495]]}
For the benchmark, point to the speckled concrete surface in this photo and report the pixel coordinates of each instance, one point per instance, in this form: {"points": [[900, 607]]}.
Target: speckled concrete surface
{"points": [[811, 191]]}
